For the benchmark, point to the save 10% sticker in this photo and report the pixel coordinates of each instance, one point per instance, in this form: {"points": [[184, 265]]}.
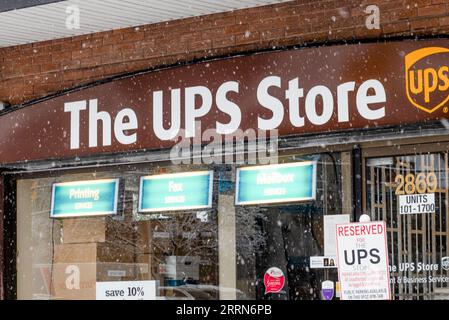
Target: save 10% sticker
{"points": [[126, 290]]}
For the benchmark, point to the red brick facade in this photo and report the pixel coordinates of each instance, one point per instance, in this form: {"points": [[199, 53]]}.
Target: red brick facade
{"points": [[35, 70]]}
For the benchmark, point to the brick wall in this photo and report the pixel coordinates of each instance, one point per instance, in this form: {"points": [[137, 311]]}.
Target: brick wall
{"points": [[35, 70]]}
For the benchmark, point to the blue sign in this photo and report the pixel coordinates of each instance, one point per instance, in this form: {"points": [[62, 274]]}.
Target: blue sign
{"points": [[84, 198], [288, 182], [177, 191]]}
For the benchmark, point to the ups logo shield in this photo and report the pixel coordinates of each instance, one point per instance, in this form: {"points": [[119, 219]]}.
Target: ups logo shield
{"points": [[427, 78]]}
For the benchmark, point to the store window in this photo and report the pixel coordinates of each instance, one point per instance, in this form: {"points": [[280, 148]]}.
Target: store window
{"points": [[287, 235], [64, 258], [221, 251], [410, 193]]}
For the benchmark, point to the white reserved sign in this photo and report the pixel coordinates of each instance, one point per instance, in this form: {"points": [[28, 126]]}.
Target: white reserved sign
{"points": [[126, 290], [417, 203], [362, 260]]}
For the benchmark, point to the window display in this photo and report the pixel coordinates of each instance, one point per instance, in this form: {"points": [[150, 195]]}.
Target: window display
{"points": [[205, 248]]}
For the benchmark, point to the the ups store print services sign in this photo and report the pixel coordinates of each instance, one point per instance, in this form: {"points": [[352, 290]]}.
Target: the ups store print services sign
{"points": [[309, 90]]}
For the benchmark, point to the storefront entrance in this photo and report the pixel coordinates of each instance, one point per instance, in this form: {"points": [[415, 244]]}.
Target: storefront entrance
{"points": [[170, 198], [410, 193], [224, 251]]}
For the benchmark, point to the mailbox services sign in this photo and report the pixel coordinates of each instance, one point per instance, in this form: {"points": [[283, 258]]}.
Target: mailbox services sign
{"points": [[84, 198], [276, 183], [176, 191]]}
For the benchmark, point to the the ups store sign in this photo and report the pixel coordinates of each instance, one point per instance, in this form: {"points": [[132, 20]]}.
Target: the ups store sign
{"points": [[320, 89]]}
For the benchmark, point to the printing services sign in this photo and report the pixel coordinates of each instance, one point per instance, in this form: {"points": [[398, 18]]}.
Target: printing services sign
{"points": [[362, 260], [276, 183], [84, 198], [176, 191]]}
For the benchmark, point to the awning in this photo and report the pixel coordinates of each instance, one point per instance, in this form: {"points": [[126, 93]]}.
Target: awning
{"points": [[27, 21]]}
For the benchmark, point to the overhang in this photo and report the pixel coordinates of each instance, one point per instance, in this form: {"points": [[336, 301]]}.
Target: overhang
{"points": [[28, 21]]}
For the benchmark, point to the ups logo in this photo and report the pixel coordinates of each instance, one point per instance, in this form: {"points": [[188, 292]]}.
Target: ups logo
{"points": [[427, 78]]}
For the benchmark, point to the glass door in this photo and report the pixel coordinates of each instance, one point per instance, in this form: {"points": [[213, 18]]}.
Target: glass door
{"points": [[410, 193]]}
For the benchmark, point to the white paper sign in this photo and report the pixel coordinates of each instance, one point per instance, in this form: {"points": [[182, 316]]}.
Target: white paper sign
{"points": [[417, 203], [362, 260], [126, 290], [329, 223], [116, 273], [323, 262]]}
